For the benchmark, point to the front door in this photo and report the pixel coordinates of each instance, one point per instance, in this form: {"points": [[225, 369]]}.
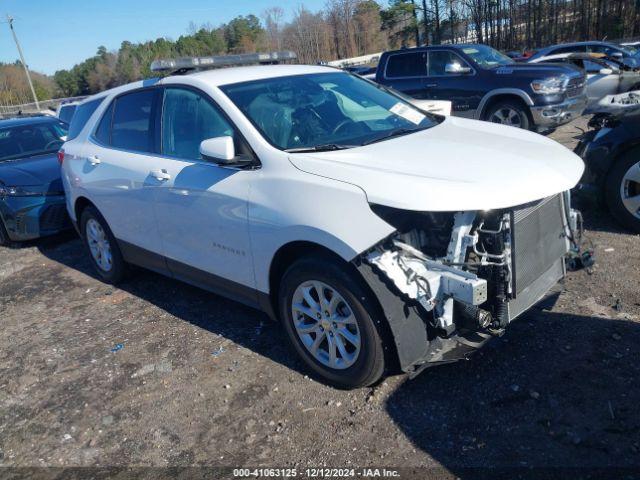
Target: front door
{"points": [[201, 207], [459, 88]]}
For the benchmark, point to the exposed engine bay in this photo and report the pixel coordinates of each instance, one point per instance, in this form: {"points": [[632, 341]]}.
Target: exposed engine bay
{"points": [[475, 271]]}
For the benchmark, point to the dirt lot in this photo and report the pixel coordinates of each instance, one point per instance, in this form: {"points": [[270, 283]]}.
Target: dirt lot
{"points": [[157, 373]]}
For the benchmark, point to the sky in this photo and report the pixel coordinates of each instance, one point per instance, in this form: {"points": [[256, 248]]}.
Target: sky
{"points": [[57, 34]]}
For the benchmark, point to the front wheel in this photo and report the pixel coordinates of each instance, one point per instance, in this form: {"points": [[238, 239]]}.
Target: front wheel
{"points": [[509, 113], [332, 323], [622, 190]]}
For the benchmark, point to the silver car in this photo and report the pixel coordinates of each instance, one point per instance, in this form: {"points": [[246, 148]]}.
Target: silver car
{"points": [[605, 75]]}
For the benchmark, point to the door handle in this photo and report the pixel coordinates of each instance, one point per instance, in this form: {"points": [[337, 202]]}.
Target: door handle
{"points": [[161, 174], [94, 160], [431, 85]]}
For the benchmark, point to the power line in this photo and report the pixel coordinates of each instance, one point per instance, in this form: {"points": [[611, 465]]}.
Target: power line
{"points": [[24, 64]]}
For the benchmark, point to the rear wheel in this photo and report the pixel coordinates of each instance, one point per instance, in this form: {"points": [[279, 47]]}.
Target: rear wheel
{"points": [[102, 246], [509, 113], [622, 190], [331, 322], [4, 236]]}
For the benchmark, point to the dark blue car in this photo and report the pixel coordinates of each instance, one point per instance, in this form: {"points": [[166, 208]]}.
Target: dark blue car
{"points": [[32, 202]]}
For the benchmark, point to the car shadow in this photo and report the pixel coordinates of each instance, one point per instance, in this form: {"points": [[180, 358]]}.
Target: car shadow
{"points": [[245, 326], [558, 391]]}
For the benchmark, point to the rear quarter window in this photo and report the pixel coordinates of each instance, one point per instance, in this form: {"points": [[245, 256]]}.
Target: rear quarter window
{"points": [[81, 117]]}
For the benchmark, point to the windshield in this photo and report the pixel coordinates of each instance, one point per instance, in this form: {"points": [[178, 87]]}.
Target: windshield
{"points": [[330, 110], [31, 140], [630, 50], [487, 57]]}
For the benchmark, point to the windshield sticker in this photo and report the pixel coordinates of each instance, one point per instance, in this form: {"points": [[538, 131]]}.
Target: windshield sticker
{"points": [[470, 50], [408, 113]]}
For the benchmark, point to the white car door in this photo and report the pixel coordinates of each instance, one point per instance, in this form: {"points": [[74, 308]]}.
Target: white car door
{"points": [[600, 84], [202, 207], [119, 160]]}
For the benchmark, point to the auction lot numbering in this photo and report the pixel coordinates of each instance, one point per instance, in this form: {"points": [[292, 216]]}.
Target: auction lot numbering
{"points": [[316, 473]]}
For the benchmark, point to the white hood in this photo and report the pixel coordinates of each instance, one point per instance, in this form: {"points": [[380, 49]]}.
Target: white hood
{"points": [[457, 165]]}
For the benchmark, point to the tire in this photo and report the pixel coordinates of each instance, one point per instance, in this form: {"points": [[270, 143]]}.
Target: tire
{"points": [[112, 271], [356, 366], [621, 185], [509, 112], [5, 241]]}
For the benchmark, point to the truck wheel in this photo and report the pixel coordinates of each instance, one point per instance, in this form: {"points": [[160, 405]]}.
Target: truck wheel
{"points": [[102, 246], [509, 113], [622, 190], [330, 320]]}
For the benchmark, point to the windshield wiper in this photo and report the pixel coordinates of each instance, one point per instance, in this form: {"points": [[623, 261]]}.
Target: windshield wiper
{"points": [[398, 132], [320, 148]]}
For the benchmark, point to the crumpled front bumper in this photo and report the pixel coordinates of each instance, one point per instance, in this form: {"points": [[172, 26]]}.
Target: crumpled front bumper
{"points": [[549, 116], [27, 218]]}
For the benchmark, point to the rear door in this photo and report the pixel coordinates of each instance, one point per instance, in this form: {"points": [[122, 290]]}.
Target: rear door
{"points": [[119, 165], [406, 72], [201, 207]]}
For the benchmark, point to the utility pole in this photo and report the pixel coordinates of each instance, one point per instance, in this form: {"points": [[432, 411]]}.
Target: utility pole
{"points": [[24, 64]]}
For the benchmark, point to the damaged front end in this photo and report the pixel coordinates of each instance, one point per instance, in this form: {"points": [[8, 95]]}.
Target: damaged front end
{"points": [[448, 281]]}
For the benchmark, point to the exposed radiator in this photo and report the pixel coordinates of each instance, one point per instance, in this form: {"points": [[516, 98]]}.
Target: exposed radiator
{"points": [[539, 243]]}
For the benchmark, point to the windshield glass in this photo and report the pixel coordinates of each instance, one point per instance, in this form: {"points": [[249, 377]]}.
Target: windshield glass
{"points": [[487, 57], [30, 140], [334, 110], [630, 50]]}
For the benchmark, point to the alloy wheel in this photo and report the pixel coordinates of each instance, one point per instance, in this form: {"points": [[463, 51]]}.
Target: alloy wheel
{"points": [[99, 245], [630, 190], [507, 116], [326, 325]]}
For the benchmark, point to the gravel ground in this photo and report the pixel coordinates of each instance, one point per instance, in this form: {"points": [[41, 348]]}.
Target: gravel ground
{"points": [[156, 373]]}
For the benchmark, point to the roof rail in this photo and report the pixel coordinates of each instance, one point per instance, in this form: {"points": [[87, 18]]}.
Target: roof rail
{"points": [[185, 64]]}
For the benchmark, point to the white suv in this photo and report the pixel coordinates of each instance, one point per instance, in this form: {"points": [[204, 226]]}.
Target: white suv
{"points": [[383, 237]]}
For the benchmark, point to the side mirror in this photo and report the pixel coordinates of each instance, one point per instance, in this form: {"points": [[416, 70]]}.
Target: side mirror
{"points": [[605, 71], [456, 68], [218, 149]]}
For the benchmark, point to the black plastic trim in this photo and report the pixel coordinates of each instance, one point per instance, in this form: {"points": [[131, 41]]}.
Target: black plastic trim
{"points": [[196, 277]]}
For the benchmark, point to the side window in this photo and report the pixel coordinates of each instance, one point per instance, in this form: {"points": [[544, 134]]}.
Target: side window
{"points": [[439, 59], [406, 65], [607, 50], [569, 49], [187, 119], [133, 121], [103, 132], [81, 117]]}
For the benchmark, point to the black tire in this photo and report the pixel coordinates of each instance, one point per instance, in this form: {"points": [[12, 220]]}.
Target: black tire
{"points": [[118, 269], [613, 186], [369, 365], [5, 241], [513, 105]]}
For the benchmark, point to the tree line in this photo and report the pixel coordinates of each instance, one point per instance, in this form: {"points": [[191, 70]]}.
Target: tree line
{"points": [[346, 28]]}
